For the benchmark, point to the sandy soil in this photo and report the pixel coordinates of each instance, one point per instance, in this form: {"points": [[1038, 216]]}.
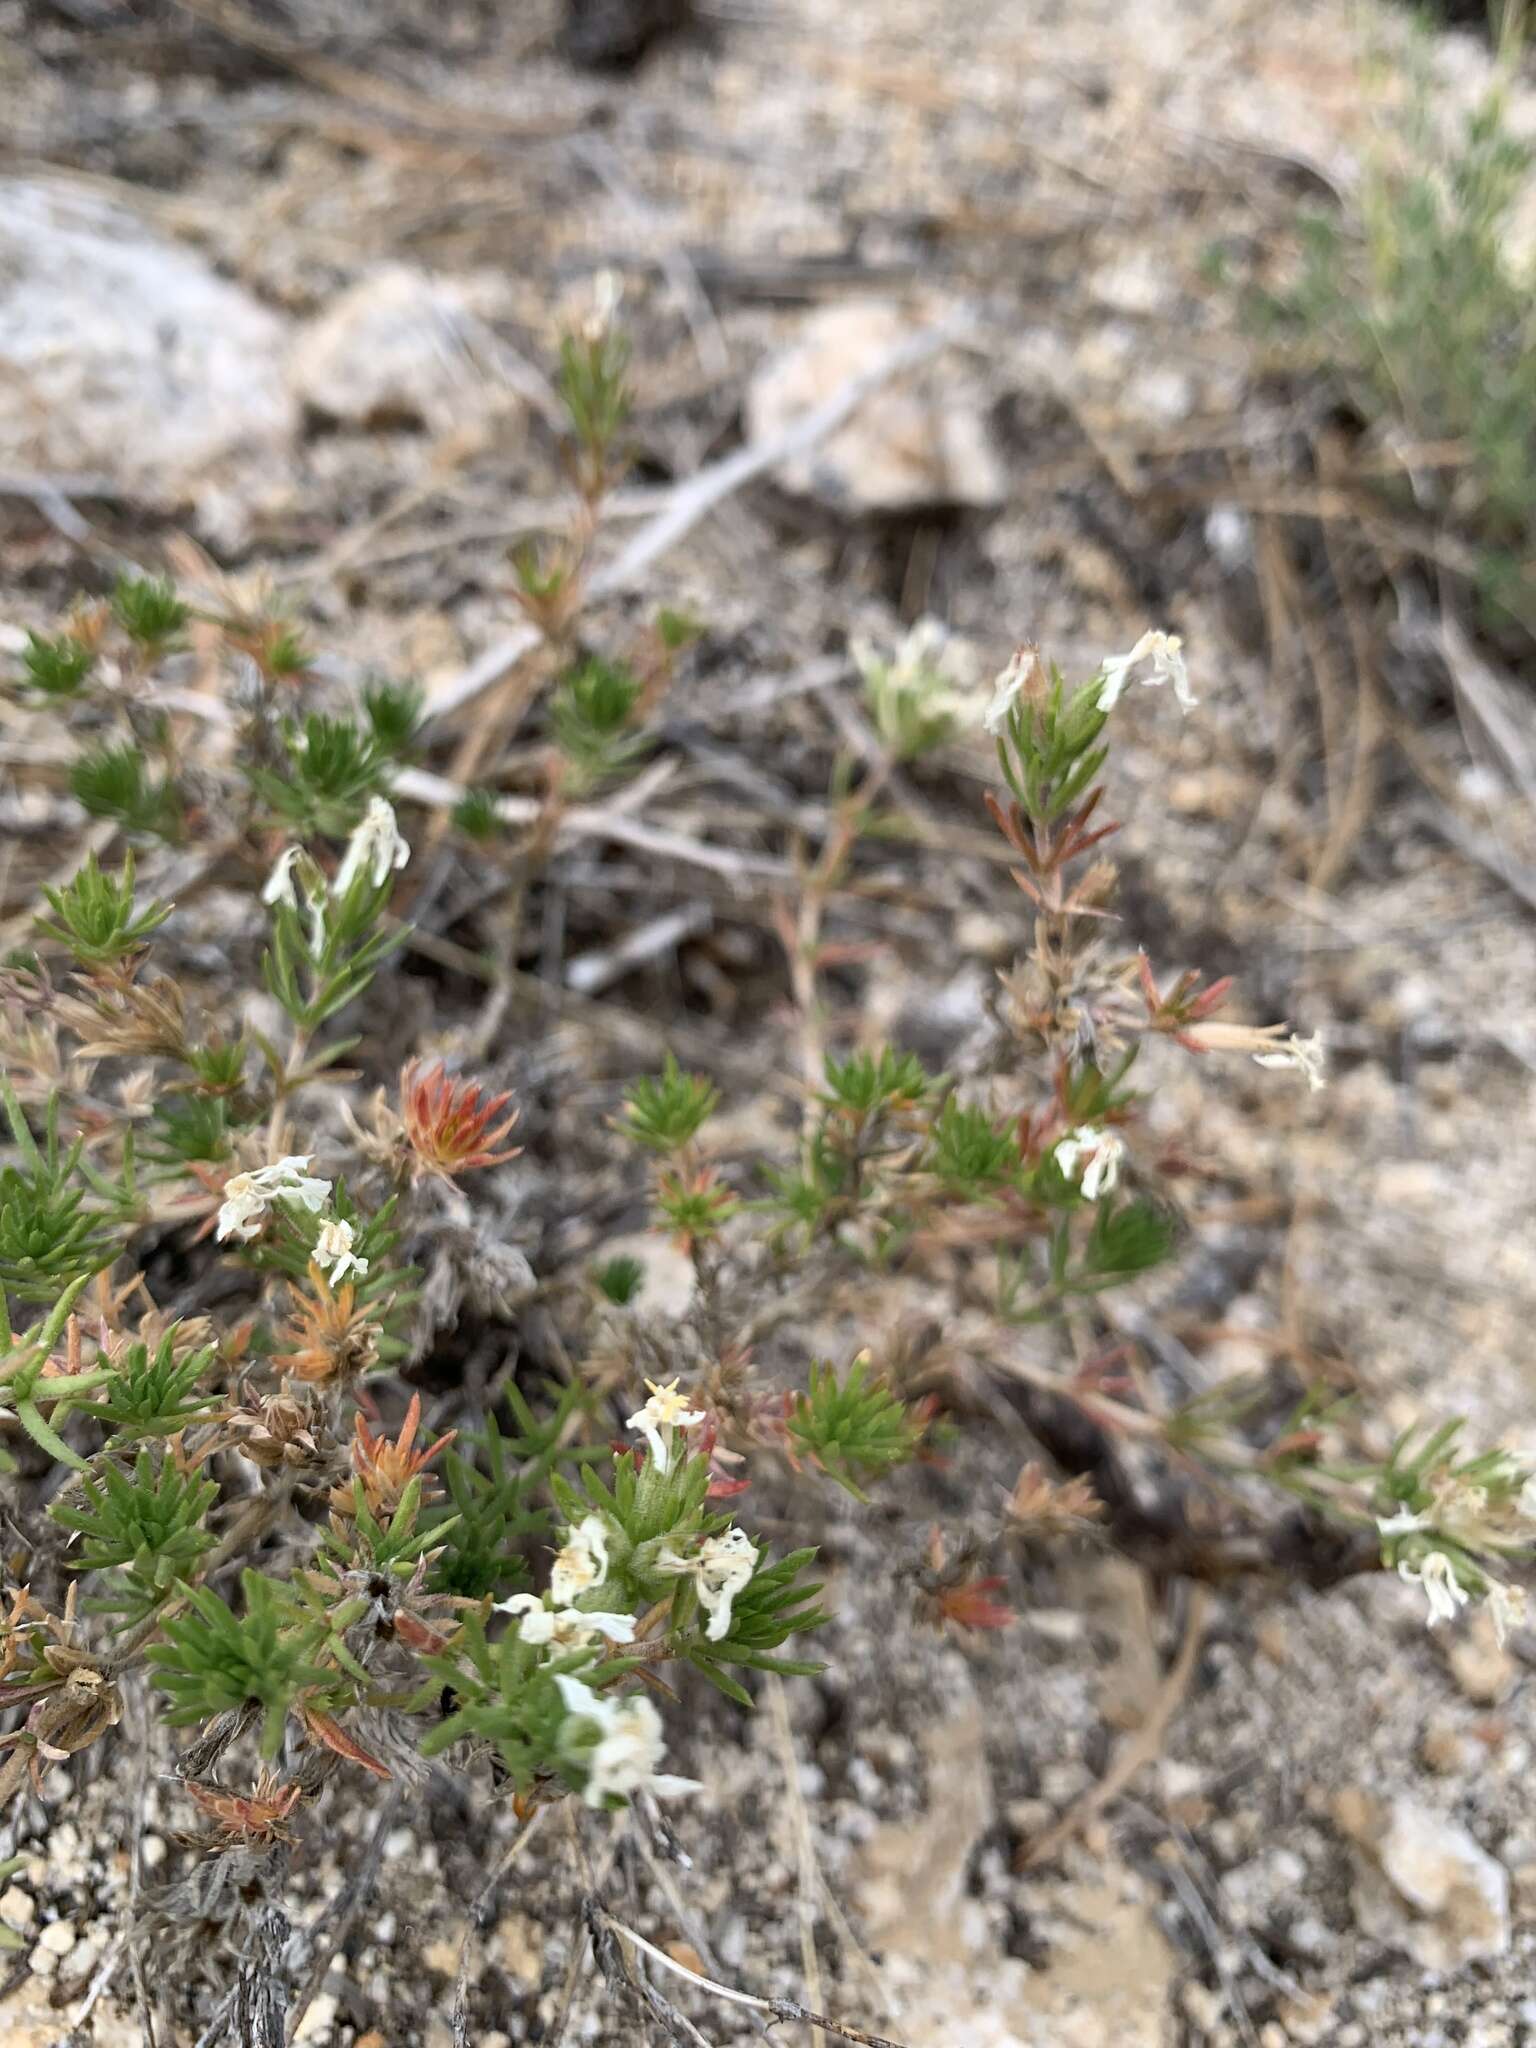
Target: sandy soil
{"points": [[1062, 172]]}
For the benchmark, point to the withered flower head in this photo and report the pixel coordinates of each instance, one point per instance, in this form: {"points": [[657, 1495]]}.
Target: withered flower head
{"points": [[448, 1123], [71, 1699], [1046, 1507], [387, 1469], [277, 1431], [332, 1339], [258, 1818], [126, 1019]]}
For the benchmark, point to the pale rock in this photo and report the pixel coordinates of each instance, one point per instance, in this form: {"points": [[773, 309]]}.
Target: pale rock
{"points": [[982, 936], [58, 1937], [1484, 1670], [1140, 282], [518, 1946], [668, 1282], [397, 348], [318, 2022], [17, 1908], [1446, 1749], [443, 1955], [1423, 1884], [1163, 395], [920, 440], [124, 355]]}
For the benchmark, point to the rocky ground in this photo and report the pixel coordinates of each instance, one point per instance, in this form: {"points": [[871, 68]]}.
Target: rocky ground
{"points": [[292, 291]]}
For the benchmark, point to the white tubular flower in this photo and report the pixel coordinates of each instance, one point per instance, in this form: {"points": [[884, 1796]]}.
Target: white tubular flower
{"points": [[667, 1410], [1506, 1609], [719, 1568], [243, 1209], [630, 1745], [1098, 1153], [375, 845], [583, 1563], [1304, 1054], [247, 1196], [292, 1179], [334, 1255], [1435, 1576], [1165, 651], [1008, 689], [1403, 1523], [567, 1628], [280, 887], [724, 1565]]}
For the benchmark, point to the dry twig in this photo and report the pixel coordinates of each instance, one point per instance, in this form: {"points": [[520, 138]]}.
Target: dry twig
{"points": [[600, 1920]]}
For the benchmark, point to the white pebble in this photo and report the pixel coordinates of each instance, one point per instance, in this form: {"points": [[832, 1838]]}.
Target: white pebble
{"points": [[58, 1936]]}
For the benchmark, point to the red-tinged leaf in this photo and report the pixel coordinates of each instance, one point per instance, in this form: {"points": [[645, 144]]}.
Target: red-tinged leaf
{"points": [[329, 1733], [1212, 998], [971, 1605], [417, 1636], [725, 1489]]}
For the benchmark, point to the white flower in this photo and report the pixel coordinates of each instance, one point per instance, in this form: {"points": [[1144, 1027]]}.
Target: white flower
{"points": [[724, 1565], [375, 845], [334, 1255], [719, 1568], [1010, 684], [665, 1411], [1506, 1609], [1401, 1524], [1527, 1501], [1165, 651], [1436, 1577], [292, 1179], [1102, 1150], [247, 1196], [567, 1628], [1304, 1054], [280, 884], [583, 1563], [607, 292], [630, 1744], [243, 1208]]}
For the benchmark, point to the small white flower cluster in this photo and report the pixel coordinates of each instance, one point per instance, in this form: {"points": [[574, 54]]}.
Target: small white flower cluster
{"points": [[1305, 1055], [1165, 652], [580, 1566], [630, 1744], [1436, 1577], [249, 1196], [665, 1412], [1098, 1153], [376, 846], [930, 673], [333, 1252], [720, 1567]]}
